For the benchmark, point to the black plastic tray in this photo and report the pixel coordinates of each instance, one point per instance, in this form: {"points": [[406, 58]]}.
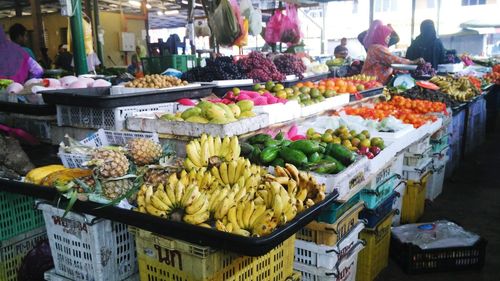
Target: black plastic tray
{"points": [[414, 260], [29, 109], [367, 93], [101, 97], [249, 246]]}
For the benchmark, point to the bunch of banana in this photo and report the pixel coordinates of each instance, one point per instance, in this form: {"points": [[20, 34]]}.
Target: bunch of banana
{"points": [[211, 150], [222, 199], [239, 171], [175, 201], [36, 175], [460, 89]]}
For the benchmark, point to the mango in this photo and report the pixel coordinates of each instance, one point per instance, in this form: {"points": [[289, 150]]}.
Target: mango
{"points": [[245, 105], [197, 119], [235, 109], [227, 110], [215, 112], [193, 111]]}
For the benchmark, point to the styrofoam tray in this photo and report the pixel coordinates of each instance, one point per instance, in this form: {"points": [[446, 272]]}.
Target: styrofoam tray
{"points": [[327, 104], [326, 256], [353, 176], [182, 128], [232, 83], [280, 112], [118, 90], [345, 271]]}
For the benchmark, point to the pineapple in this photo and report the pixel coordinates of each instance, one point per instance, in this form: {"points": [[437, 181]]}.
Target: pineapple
{"points": [[144, 151], [110, 163], [156, 176], [113, 189]]}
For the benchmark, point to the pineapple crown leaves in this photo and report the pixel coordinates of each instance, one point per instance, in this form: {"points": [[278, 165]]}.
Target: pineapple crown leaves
{"points": [[138, 182]]}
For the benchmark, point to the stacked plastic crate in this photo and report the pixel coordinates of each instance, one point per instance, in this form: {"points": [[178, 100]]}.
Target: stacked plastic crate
{"points": [[328, 248], [379, 197], [21, 228], [440, 148], [417, 171]]}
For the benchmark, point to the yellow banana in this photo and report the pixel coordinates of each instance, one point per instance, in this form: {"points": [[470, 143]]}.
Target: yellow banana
{"points": [[223, 172], [247, 213], [220, 226], [241, 232], [211, 146], [258, 211], [235, 148], [217, 145], [154, 211], [197, 218], [277, 206], [231, 216], [190, 193], [259, 201], [231, 172], [223, 208], [241, 192], [158, 204], [301, 196], [160, 193], [184, 178], [239, 215], [216, 173], [205, 154], [239, 168], [188, 164], [229, 227], [204, 225], [148, 194], [193, 155], [225, 147], [179, 191], [196, 205]]}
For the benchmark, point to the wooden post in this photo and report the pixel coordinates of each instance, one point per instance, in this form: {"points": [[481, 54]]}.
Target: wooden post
{"points": [[36, 16]]}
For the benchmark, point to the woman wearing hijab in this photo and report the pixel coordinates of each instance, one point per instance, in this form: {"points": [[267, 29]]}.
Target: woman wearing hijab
{"points": [[379, 58], [427, 45], [15, 63], [365, 37]]}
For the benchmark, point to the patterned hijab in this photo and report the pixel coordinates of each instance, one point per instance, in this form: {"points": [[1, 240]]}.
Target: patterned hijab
{"points": [[380, 35], [368, 40], [13, 60]]}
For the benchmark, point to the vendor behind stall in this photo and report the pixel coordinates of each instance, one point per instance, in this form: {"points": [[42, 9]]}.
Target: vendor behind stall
{"points": [[379, 58], [341, 50], [15, 63], [366, 37], [427, 45]]}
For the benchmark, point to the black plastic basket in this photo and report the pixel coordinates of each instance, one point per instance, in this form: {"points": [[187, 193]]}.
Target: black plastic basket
{"points": [[374, 216], [414, 260]]}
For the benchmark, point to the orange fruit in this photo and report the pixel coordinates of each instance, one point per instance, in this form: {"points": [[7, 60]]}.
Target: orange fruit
{"points": [[300, 84], [340, 83], [351, 89]]}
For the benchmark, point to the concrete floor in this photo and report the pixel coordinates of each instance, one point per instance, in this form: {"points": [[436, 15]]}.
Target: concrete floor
{"points": [[472, 198]]}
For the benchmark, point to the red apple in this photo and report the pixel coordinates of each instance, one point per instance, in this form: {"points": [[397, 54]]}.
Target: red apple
{"points": [[370, 155], [375, 150]]}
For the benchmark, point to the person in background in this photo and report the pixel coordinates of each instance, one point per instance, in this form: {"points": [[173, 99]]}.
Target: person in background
{"points": [[366, 37], [15, 63], [64, 58], [45, 61], [379, 58], [427, 45], [341, 50], [136, 65], [19, 35]]}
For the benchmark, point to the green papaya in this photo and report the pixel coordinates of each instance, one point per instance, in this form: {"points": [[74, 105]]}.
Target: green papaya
{"points": [[314, 158], [341, 153], [272, 143], [269, 154], [307, 146], [255, 156], [246, 148], [278, 162], [326, 167], [259, 138]]}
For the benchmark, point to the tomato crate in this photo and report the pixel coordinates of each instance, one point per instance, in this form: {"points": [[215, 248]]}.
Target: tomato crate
{"points": [[330, 234], [167, 259], [414, 199], [373, 198], [328, 257], [13, 250], [345, 270], [415, 260], [334, 211], [376, 215], [18, 215], [88, 248], [375, 256], [99, 139]]}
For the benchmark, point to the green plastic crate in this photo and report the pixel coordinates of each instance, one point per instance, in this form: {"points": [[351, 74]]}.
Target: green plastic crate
{"points": [[156, 65], [12, 252], [18, 215]]}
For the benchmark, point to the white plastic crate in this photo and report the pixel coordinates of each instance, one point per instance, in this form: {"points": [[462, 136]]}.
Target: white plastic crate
{"points": [[416, 173], [347, 180], [279, 112], [399, 163], [105, 118], [51, 275], [398, 203], [435, 186], [345, 271], [381, 175], [440, 159], [421, 146], [316, 255], [88, 248], [99, 139], [417, 159]]}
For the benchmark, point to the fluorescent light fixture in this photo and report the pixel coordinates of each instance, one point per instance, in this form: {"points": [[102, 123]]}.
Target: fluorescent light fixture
{"points": [[159, 12], [134, 3], [184, 2], [171, 12], [148, 6]]}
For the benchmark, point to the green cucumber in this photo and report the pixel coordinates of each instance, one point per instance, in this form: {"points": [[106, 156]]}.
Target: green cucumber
{"points": [[259, 138], [341, 153], [278, 162], [326, 168], [307, 146], [314, 158], [292, 156], [246, 149], [269, 154], [272, 143]]}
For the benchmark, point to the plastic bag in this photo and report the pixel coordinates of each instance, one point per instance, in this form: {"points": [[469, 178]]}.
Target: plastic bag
{"points": [[290, 28], [243, 39], [253, 15], [439, 234], [224, 23], [273, 28]]}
